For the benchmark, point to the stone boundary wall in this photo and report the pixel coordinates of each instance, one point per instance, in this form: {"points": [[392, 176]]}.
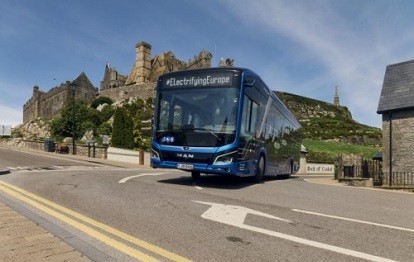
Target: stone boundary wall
{"points": [[102, 152], [143, 91], [84, 150], [81, 150], [20, 143]]}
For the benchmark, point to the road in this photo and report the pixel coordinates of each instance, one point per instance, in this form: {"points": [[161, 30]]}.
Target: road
{"points": [[138, 212]]}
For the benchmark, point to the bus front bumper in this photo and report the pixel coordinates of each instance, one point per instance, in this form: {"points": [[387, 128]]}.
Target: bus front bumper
{"points": [[241, 169]]}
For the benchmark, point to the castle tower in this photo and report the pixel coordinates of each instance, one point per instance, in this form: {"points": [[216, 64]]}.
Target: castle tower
{"points": [[141, 71], [111, 78], [336, 97]]}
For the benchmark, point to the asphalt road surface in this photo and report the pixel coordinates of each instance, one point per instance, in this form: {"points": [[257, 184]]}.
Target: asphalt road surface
{"points": [[130, 214]]}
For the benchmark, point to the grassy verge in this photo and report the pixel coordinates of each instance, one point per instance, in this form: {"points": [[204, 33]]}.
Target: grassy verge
{"points": [[322, 151]]}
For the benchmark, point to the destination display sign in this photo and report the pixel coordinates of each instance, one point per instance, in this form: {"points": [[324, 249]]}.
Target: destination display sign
{"points": [[199, 80]]}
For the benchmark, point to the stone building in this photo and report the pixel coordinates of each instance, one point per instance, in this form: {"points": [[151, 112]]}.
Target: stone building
{"points": [[49, 104], [146, 69], [140, 83], [396, 105], [111, 78]]}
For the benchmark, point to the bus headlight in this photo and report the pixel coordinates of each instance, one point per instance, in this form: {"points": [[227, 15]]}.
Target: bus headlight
{"points": [[225, 158], [155, 154]]}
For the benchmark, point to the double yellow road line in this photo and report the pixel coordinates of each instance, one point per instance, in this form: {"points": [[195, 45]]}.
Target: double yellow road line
{"points": [[90, 226]]}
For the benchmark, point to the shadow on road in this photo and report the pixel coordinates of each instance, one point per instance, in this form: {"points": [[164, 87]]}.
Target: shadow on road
{"points": [[218, 182]]}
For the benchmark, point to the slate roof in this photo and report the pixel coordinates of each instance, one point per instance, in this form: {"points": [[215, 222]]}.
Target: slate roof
{"points": [[398, 88]]}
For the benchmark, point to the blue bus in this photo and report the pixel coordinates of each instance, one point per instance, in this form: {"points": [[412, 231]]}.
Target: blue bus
{"points": [[223, 121]]}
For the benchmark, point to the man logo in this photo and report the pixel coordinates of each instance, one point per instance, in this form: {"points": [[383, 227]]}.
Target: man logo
{"points": [[185, 155]]}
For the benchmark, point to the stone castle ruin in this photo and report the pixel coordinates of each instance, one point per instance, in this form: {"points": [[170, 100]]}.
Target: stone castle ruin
{"points": [[140, 83], [142, 79], [49, 104]]}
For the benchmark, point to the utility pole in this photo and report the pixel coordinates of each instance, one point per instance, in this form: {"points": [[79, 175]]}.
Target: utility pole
{"points": [[73, 89]]}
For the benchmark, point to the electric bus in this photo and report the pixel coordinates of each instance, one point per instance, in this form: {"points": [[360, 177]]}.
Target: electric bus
{"points": [[223, 121]]}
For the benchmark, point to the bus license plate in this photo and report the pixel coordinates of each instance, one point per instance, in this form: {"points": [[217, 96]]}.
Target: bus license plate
{"points": [[185, 166]]}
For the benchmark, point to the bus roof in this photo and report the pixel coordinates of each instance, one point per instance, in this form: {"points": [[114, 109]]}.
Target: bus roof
{"points": [[211, 69]]}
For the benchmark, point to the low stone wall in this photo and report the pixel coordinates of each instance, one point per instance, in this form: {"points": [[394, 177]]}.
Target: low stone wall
{"points": [[90, 151], [83, 150], [20, 143], [358, 182]]}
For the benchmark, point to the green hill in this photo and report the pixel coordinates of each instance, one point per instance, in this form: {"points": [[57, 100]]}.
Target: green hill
{"points": [[329, 130]]}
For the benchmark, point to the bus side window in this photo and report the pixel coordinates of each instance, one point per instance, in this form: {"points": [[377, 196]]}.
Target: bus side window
{"points": [[177, 117], [164, 115], [249, 117]]}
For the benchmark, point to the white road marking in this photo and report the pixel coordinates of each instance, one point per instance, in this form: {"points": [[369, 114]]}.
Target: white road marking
{"points": [[354, 220], [198, 187], [122, 181], [232, 215], [235, 216]]}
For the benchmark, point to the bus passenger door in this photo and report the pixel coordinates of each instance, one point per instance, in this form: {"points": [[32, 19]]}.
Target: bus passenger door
{"points": [[249, 144]]}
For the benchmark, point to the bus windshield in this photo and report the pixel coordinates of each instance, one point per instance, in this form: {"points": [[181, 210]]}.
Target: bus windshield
{"points": [[204, 117]]}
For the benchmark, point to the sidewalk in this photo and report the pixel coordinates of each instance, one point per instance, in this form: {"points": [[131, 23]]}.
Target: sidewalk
{"points": [[23, 240], [323, 180]]}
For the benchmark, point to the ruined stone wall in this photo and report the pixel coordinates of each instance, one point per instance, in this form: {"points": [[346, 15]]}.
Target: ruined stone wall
{"points": [[143, 91], [112, 78], [202, 60], [164, 63], [53, 102], [32, 108], [147, 69], [402, 136], [50, 104]]}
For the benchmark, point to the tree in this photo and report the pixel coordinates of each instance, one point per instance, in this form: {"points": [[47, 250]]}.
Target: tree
{"points": [[122, 130], [106, 113], [72, 117]]}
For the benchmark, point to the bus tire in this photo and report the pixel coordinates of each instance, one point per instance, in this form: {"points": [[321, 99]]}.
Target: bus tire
{"points": [[260, 170], [195, 175]]}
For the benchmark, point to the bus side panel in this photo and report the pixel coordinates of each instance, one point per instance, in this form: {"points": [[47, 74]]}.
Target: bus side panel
{"points": [[279, 136]]}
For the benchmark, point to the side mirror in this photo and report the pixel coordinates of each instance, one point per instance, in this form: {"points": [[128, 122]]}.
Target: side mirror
{"points": [[249, 82]]}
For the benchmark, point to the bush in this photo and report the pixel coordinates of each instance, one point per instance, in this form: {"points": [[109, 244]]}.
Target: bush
{"points": [[122, 130], [104, 129]]}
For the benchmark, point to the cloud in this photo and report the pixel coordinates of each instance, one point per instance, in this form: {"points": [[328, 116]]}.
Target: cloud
{"points": [[352, 44], [10, 116]]}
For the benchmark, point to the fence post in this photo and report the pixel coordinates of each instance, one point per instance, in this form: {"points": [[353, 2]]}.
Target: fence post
{"points": [[141, 157], [106, 151]]}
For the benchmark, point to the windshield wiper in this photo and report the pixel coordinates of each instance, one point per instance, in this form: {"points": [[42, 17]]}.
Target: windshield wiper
{"points": [[192, 128]]}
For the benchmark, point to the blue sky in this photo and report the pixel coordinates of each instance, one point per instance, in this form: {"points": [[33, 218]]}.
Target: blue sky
{"points": [[302, 47]]}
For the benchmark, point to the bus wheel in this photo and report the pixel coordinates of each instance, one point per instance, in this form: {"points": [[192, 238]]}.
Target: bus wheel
{"points": [[260, 170], [195, 175]]}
